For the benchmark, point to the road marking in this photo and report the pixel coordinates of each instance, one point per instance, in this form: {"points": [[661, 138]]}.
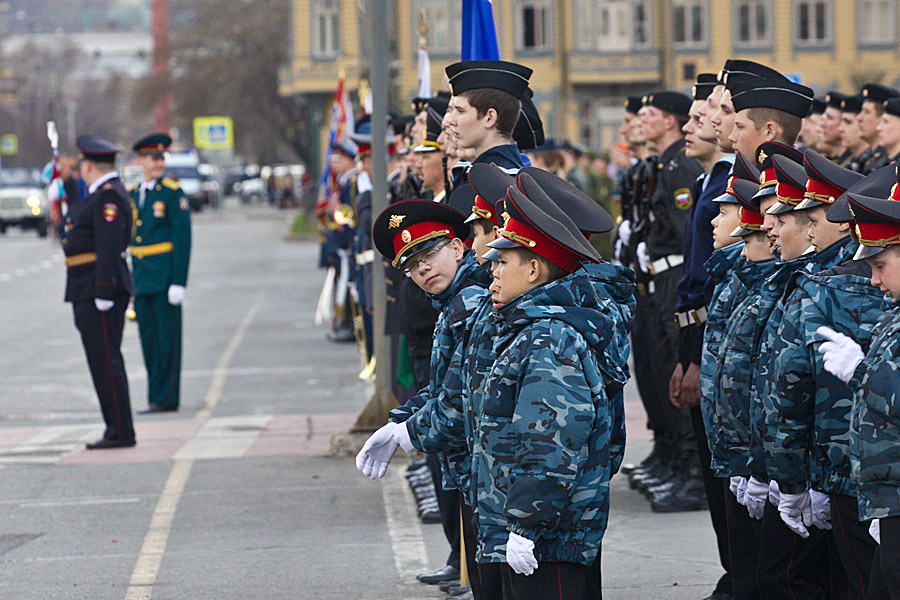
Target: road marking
{"points": [[93, 502], [224, 437], [143, 578], [217, 385], [408, 544]]}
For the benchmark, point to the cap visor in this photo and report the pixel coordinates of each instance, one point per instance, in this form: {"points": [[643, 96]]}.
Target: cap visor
{"points": [[492, 255], [867, 251], [471, 218], [424, 148], [502, 243], [741, 232], [726, 199], [779, 208], [839, 212], [808, 203], [420, 247], [763, 192]]}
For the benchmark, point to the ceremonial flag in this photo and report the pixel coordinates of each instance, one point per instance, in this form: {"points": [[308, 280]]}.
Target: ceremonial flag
{"points": [[341, 127], [424, 74], [479, 37]]}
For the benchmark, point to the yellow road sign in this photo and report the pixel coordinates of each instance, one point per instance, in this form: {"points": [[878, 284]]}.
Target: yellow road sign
{"points": [[213, 133], [9, 144]]}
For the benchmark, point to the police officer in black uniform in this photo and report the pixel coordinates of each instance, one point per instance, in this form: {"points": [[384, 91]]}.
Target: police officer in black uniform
{"points": [[874, 96], [98, 283]]}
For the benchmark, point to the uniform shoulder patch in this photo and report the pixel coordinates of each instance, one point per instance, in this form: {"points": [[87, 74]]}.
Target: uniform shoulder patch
{"points": [[683, 198], [110, 211], [184, 203], [170, 183]]}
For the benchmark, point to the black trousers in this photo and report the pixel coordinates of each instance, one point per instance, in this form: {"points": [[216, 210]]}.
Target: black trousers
{"points": [[743, 547], [791, 567], [885, 582], [448, 505], [562, 580], [494, 579], [101, 336], [854, 545], [655, 346], [471, 541]]}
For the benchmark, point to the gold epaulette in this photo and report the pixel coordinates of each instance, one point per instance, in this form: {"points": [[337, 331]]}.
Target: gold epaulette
{"points": [[170, 183], [133, 187]]}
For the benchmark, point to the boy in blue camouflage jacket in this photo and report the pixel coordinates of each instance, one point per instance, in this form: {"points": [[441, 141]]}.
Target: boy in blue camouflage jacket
{"points": [[808, 410], [874, 379]]}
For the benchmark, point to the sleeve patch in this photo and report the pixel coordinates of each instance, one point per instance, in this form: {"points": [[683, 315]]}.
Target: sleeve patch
{"points": [[683, 198], [110, 211], [183, 203]]}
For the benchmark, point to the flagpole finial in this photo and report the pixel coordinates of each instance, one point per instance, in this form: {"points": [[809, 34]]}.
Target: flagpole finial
{"points": [[422, 28]]}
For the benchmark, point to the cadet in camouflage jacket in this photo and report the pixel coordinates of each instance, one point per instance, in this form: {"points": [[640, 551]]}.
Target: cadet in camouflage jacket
{"points": [[543, 457], [729, 290], [808, 423]]}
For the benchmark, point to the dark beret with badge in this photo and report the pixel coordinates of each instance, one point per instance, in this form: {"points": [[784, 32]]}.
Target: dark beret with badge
{"points": [[790, 189], [877, 222], [835, 100], [704, 86], [879, 184], [892, 107], [779, 94], [155, 143], [584, 211], [764, 154], [875, 92], [852, 104], [495, 74], [490, 184], [411, 226], [743, 168], [827, 180], [669, 101], [751, 218], [818, 106], [633, 104], [96, 149]]}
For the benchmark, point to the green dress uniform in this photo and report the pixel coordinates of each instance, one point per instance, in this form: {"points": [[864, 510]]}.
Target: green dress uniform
{"points": [[160, 253]]}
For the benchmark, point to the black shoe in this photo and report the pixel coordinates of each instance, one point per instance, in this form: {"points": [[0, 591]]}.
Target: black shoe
{"points": [[688, 498], [449, 587], [445, 573], [459, 591], [467, 595], [105, 443], [157, 408]]}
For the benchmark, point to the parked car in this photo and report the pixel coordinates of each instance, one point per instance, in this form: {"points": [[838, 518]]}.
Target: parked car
{"points": [[182, 166], [26, 208]]}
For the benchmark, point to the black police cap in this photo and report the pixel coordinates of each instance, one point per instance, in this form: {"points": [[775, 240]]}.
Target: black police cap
{"points": [[411, 226], [587, 214], [496, 74], [490, 182], [780, 94], [745, 168], [433, 121], [790, 173], [633, 104], [764, 154], [835, 99], [892, 106], [155, 142], [827, 180], [704, 86], [463, 198], [739, 70], [875, 92], [877, 184], [818, 106], [96, 149], [877, 223], [669, 101], [529, 131]]}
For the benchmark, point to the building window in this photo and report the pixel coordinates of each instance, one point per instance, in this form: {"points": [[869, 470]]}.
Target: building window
{"points": [[877, 21], [689, 23], [643, 23], [611, 25], [535, 25], [753, 23], [326, 28], [812, 22], [444, 26]]}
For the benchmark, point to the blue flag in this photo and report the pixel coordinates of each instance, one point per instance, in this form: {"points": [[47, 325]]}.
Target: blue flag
{"points": [[479, 37]]}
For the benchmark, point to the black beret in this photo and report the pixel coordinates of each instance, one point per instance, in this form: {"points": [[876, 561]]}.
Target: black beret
{"points": [[835, 99], [852, 104], [827, 180], [669, 101], [97, 149], [582, 209], [779, 94], [877, 184], [892, 106], [818, 106], [496, 74], [704, 86], [633, 104], [875, 92]]}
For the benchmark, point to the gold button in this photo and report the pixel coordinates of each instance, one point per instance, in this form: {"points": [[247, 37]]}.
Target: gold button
{"points": [[137, 239], [138, 222]]}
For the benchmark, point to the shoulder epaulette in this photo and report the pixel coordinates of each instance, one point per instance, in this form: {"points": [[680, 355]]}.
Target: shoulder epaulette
{"points": [[133, 187], [170, 183]]}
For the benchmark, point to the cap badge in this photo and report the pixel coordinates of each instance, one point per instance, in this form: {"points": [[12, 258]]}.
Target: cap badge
{"points": [[406, 236], [865, 93], [762, 157], [395, 221], [505, 216]]}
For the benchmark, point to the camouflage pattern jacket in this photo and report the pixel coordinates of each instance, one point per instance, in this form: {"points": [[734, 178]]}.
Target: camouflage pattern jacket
{"points": [[732, 378], [775, 298], [542, 459], [808, 425], [723, 267], [875, 431]]}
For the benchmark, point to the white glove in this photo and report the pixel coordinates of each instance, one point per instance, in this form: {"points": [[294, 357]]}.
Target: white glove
{"points": [[742, 491], [176, 294], [377, 452], [774, 493], [624, 232], [842, 354], [401, 436], [796, 512], [620, 251], [520, 554], [103, 305], [755, 497], [875, 530], [821, 509], [643, 257], [734, 484]]}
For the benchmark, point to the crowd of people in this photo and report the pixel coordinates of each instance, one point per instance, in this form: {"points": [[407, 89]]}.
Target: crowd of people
{"points": [[751, 277]]}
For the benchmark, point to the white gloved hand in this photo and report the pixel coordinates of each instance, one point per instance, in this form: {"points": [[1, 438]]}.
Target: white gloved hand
{"points": [[875, 530], [642, 257], [742, 491], [842, 354], [620, 251], [401, 436], [796, 512], [624, 232], [176, 295], [103, 305], [774, 493], [377, 452], [821, 509], [755, 497], [734, 484], [520, 554]]}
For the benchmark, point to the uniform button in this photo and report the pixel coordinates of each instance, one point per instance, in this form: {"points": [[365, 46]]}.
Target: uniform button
{"points": [[137, 239], [138, 223]]}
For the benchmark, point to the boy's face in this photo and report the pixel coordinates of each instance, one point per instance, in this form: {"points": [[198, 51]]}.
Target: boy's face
{"points": [[723, 122], [654, 123], [889, 131], [745, 137], [849, 130], [465, 127], [512, 277], [822, 232], [709, 107], [790, 234], [725, 222], [696, 145], [756, 247], [481, 238], [154, 164], [431, 169], [768, 220], [868, 120], [829, 126], [433, 269], [886, 271], [810, 131]]}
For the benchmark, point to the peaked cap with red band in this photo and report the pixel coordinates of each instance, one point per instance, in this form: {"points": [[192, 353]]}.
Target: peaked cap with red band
{"points": [[764, 154], [877, 223], [155, 143], [490, 183], [827, 180], [791, 187], [743, 168], [412, 226], [751, 219], [875, 185]]}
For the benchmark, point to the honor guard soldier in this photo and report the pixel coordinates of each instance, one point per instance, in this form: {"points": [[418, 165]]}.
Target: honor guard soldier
{"points": [[832, 143], [99, 285], [851, 133], [874, 96], [889, 132], [160, 253], [810, 134]]}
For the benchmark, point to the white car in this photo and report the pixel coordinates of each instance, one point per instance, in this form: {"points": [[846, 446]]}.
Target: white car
{"points": [[26, 208]]}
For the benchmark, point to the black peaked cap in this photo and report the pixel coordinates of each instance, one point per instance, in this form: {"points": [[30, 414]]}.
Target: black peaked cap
{"points": [[780, 94], [155, 142], [587, 214], [877, 185], [818, 106], [745, 192], [96, 148], [463, 198], [767, 150], [744, 168], [496, 74], [490, 182], [825, 174], [789, 171], [401, 219], [670, 101]]}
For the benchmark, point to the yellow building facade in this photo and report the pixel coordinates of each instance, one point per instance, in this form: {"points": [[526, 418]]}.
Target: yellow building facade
{"points": [[587, 55]]}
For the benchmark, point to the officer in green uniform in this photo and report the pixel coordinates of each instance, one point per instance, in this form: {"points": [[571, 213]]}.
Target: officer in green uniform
{"points": [[160, 252]]}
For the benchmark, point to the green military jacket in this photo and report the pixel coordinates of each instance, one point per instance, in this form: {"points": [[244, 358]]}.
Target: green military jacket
{"points": [[161, 243]]}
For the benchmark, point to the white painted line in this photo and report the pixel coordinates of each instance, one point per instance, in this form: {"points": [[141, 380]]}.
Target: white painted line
{"points": [[94, 502], [46, 264], [5, 277], [224, 437], [403, 525], [19, 272]]}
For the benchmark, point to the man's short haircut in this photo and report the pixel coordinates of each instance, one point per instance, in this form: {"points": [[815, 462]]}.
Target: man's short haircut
{"points": [[483, 225], [101, 165], [879, 107], [790, 124], [506, 105], [554, 271]]}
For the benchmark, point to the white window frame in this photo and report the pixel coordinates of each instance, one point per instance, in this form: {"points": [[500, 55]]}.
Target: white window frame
{"points": [[827, 38], [882, 13], [444, 26], [688, 7], [326, 12], [546, 8], [752, 7], [609, 26]]}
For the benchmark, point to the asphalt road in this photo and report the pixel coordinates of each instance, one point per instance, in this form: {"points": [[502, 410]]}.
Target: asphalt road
{"points": [[235, 496]]}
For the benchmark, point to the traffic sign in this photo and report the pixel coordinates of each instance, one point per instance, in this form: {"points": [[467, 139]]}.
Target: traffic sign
{"points": [[213, 133], [9, 144]]}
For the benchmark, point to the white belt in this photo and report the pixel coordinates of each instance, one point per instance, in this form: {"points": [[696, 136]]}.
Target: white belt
{"points": [[665, 263], [364, 258], [691, 317]]}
